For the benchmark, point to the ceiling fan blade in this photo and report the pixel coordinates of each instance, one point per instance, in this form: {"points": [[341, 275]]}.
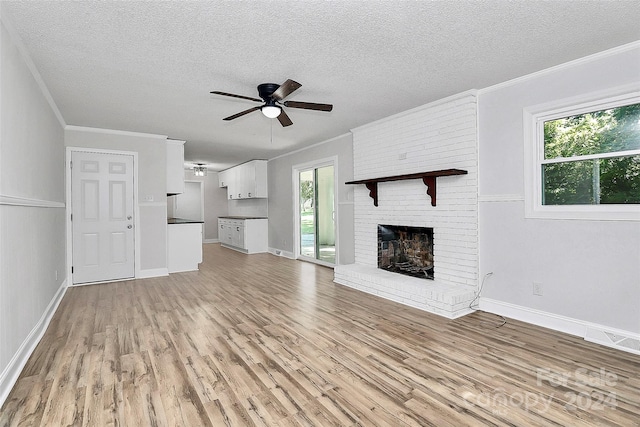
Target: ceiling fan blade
{"points": [[285, 89], [233, 95], [284, 119], [308, 105], [242, 113]]}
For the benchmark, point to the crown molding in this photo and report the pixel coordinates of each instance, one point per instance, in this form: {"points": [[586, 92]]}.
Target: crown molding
{"points": [[115, 132], [576, 62]]}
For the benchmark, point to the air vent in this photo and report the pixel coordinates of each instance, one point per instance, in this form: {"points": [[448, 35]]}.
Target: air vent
{"points": [[624, 342]]}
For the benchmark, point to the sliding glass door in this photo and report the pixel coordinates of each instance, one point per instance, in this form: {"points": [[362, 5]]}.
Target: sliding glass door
{"points": [[317, 235]]}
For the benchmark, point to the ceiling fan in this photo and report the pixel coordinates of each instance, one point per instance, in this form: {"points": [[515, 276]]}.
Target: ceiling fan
{"points": [[272, 95]]}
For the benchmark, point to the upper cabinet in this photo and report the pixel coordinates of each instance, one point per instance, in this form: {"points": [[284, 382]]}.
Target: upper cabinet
{"points": [[175, 166], [245, 181], [223, 178]]}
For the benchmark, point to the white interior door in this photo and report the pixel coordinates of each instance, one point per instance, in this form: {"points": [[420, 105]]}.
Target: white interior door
{"points": [[102, 217]]}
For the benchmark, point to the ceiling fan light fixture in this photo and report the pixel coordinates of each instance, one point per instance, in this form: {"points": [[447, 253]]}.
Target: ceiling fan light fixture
{"points": [[271, 111]]}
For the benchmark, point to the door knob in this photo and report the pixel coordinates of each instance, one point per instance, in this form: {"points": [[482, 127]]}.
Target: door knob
{"points": [[129, 217], [129, 226]]}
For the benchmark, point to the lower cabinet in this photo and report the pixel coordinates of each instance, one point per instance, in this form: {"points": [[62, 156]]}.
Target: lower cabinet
{"points": [[184, 247], [245, 235]]}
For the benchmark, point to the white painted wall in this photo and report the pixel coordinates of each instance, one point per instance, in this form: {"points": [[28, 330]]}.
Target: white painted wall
{"points": [[152, 181], [281, 208], [437, 136], [590, 270], [32, 214]]}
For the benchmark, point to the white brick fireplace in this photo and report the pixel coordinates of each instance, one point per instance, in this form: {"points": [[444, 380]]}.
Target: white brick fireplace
{"points": [[437, 136]]}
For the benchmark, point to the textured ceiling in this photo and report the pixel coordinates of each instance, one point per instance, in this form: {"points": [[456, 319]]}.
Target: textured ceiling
{"points": [[149, 66]]}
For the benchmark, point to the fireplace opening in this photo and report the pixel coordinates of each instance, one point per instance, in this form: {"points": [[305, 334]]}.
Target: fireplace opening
{"points": [[406, 250]]}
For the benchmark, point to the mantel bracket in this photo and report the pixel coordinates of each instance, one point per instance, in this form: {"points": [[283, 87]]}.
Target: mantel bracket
{"points": [[430, 182], [428, 178], [373, 191]]}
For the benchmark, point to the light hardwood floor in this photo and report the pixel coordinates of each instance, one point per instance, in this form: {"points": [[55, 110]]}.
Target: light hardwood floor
{"points": [[263, 340]]}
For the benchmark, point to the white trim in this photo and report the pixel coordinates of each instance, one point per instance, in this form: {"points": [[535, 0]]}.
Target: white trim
{"points": [[577, 62], [209, 241], [536, 317], [311, 146], [553, 321], [152, 272], [136, 206], [501, 198], [533, 118], [31, 66], [280, 252], [12, 371], [458, 96], [116, 132], [29, 202]]}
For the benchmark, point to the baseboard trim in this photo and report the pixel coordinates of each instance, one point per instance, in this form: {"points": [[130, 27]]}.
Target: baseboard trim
{"points": [[280, 252], [207, 241], [152, 272], [590, 331], [11, 373]]}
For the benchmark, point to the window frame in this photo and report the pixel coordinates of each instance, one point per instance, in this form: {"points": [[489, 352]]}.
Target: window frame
{"points": [[534, 118]]}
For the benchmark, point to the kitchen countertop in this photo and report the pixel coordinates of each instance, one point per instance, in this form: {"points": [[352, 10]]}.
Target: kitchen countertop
{"points": [[183, 221], [243, 217]]}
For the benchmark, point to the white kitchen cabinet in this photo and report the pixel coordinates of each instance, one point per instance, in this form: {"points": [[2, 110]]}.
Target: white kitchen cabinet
{"points": [[223, 178], [246, 181], [184, 247], [247, 235], [255, 178], [175, 166]]}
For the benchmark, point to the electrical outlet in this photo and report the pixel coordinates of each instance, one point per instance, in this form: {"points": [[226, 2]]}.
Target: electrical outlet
{"points": [[56, 275], [537, 288], [148, 198], [402, 156]]}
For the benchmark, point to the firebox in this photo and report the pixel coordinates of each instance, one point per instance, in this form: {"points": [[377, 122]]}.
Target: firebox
{"points": [[406, 250]]}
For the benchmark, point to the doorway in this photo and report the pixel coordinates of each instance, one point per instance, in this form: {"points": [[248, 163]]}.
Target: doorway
{"points": [[316, 214], [189, 204]]}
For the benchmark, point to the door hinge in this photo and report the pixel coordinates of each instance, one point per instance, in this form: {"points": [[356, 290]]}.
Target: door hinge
{"points": [[71, 164], [71, 269], [71, 217]]}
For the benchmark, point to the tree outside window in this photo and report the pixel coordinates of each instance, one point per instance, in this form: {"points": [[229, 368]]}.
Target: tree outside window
{"points": [[592, 158]]}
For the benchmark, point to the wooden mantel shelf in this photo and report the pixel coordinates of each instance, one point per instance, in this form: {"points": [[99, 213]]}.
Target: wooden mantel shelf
{"points": [[429, 179]]}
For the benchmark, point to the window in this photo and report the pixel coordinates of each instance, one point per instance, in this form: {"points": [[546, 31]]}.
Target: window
{"points": [[592, 158], [585, 161]]}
